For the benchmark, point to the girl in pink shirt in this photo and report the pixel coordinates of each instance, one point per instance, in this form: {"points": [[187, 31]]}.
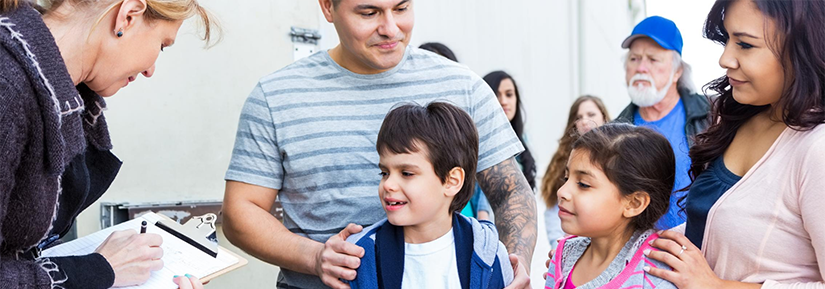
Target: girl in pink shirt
{"points": [[618, 183]]}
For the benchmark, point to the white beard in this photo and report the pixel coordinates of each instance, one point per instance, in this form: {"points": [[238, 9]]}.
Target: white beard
{"points": [[647, 96]]}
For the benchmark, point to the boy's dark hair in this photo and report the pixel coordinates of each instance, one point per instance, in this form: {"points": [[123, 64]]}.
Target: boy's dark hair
{"points": [[444, 131], [635, 159]]}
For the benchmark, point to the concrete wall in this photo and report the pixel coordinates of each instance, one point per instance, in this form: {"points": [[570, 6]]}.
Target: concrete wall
{"points": [[603, 26]]}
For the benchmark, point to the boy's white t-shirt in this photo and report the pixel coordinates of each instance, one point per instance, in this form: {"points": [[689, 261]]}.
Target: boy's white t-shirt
{"points": [[431, 265]]}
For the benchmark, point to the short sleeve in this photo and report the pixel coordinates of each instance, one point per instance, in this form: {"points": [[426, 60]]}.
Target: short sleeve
{"points": [[497, 141], [256, 157]]}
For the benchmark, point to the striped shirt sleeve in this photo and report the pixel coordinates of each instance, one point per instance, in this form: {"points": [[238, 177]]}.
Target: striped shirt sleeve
{"points": [[256, 158], [497, 141]]}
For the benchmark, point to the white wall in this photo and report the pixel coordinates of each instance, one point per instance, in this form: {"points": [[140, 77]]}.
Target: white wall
{"points": [[528, 39], [604, 25], [702, 54]]}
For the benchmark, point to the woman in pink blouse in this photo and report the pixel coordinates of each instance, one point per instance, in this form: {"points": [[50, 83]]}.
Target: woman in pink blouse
{"points": [[756, 207]]}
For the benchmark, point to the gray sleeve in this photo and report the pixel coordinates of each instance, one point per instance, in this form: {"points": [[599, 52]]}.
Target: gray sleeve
{"points": [[497, 141], [658, 283], [13, 137], [655, 282], [506, 266], [256, 158], [483, 203]]}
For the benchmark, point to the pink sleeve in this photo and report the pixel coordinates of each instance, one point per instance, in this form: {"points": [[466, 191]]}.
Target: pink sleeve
{"points": [[812, 208]]}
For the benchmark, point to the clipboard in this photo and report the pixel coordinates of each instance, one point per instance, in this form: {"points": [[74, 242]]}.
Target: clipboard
{"points": [[179, 256], [241, 262], [192, 231]]}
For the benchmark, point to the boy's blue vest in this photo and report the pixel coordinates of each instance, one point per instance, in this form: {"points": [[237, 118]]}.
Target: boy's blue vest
{"points": [[482, 260]]}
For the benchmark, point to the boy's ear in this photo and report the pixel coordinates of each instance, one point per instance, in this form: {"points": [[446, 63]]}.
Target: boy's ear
{"points": [[454, 181], [635, 204]]}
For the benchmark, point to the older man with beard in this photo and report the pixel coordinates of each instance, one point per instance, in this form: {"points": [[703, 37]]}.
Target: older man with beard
{"points": [[663, 97]]}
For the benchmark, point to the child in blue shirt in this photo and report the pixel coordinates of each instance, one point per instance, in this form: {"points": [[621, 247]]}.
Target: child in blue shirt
{"points": [[428, 159]]}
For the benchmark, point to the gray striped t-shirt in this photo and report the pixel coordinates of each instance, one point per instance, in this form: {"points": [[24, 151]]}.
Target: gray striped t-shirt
{"points": [[309, 131]]}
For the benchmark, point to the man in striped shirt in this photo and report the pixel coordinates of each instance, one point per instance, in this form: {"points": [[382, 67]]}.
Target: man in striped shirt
{"points": [[307, 137]]}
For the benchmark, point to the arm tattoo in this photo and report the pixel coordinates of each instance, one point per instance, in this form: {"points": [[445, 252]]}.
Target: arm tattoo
{"points": [[514, 205]]}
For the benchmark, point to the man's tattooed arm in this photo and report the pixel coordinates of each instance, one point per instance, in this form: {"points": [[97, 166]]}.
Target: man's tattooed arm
{"points": [[514, 205]]}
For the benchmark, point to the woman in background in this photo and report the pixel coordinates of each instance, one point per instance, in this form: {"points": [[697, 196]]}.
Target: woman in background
{"points": [[586, 113], [504, 86], [508, 96]]}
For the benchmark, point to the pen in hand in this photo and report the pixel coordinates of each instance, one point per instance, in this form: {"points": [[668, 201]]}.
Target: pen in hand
{"points": [[143, 227]]}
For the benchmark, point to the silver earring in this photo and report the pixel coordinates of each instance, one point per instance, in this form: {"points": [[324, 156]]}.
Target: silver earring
{"points": [[120, 33]]}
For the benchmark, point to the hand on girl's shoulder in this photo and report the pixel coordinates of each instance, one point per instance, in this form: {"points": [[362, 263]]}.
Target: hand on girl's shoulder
{"points": [[653, 281]]}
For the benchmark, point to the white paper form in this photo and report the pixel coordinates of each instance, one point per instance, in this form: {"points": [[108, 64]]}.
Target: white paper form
{"points": [[179, 257]]}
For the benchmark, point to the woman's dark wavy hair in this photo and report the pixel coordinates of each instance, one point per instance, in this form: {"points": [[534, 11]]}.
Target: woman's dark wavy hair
{"points": [[528, 164], [800, 36]]}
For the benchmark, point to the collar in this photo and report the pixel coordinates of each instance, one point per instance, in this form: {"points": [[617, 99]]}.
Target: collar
{"points": [[389, 250]]}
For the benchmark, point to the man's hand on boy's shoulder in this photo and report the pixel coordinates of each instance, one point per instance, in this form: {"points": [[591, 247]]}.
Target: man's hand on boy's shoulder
{"points": [[338, 259], [521, 278]]}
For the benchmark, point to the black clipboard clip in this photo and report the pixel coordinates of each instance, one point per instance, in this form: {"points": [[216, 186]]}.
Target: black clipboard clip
{"points": [[198, 232]]}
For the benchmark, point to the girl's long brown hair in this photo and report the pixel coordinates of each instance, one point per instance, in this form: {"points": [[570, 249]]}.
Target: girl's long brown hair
{"points": [[553, 176]]}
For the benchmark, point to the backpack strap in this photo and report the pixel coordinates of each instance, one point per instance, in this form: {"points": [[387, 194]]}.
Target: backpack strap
{"points": [[558, 275]]}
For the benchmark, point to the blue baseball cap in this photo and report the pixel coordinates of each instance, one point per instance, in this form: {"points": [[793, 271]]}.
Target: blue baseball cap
{"points": [[660, 29]]}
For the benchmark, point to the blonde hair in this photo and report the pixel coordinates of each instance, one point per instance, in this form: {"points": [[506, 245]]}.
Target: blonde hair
{"points": [[554, 175], [8, 5], [168, 10]]}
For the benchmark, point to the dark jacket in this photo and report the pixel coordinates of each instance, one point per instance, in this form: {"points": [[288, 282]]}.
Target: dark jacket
{"points": [[482, 260], [54, 158], [697, 110]]}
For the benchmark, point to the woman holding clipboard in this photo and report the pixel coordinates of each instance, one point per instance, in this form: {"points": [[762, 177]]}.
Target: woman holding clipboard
{"points": [[57, 61]]}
